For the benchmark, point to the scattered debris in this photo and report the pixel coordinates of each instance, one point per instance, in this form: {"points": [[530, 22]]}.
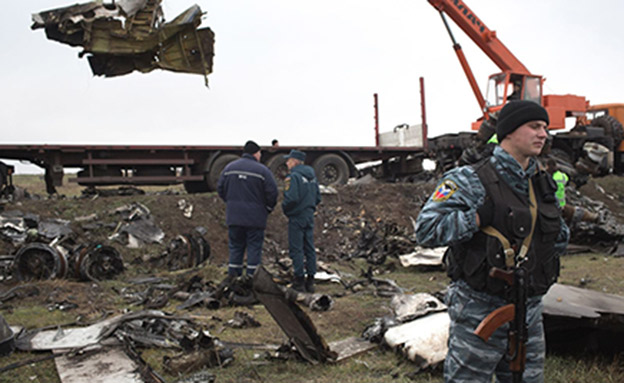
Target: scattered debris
{"points": [[242, 320], [185, 251], [187, 208], [138, 226], [378, 242], [200, 350], [327, 189]]}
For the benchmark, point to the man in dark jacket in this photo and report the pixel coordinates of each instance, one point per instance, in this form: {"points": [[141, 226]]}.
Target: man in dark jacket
{"points": [[250, 193], [301, 195]]}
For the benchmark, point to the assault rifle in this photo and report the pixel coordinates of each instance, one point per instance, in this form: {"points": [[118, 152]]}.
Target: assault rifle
{"points": [[515, 312]]}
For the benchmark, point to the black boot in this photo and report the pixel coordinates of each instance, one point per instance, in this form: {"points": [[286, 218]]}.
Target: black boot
{"points": [[309, 284], [298, 284]]}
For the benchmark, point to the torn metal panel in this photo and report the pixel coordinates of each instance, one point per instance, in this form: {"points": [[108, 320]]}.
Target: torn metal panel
{"points": [[422, 256], [295, 323], [583, 320], [143, 231], [128, 35], [581, 303], [78, 337], [7, 338], [107, 365], [63, 338], [325, 276], [423, 341], [410, 306], [349, 347], [13, 229], [54, 228]]}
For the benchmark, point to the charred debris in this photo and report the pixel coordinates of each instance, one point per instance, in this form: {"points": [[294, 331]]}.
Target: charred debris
{"points": [[48, 249]]}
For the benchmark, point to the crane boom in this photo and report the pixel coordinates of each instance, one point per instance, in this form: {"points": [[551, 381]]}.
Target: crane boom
{"points": [[478, 32]]}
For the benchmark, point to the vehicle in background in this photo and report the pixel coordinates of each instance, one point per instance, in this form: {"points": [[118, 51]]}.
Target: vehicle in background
{"points": [[598, 128]]}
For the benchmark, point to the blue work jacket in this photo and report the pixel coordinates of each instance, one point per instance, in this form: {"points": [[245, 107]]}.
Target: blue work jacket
{"points": [[249, 191]]}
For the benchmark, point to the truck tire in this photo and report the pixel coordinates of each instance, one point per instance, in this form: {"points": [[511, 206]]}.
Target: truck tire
{"points": [[216, 168], [277, 166], [331, 169], [612, 128]]}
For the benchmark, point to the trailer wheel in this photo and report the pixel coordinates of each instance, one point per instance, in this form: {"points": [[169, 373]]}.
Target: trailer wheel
{"points": [[331, 169], [217, 167], [277, 165]]}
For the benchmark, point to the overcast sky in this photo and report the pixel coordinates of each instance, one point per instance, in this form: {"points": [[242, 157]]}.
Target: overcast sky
{"points": [[301, 71]]}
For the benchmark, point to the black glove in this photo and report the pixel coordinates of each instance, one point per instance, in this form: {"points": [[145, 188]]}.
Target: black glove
{"points": [[486, 212]]}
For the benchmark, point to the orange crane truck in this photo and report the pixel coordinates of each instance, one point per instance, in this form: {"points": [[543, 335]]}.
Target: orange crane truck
{"points": [[598, 124]]}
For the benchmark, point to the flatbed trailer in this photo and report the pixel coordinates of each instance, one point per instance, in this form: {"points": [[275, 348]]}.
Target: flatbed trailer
{"points": [[399, 153], [198, 167]]}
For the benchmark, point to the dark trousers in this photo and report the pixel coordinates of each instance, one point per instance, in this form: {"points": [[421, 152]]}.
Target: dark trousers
{"points": [[241, 238], [301, 245]]}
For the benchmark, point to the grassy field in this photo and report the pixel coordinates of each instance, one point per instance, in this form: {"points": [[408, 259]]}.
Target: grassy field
{"points": [[351, 313]]}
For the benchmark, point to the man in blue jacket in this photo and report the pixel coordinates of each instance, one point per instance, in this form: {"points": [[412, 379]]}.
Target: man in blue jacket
{"points": [[250, 194], [301, 195]]}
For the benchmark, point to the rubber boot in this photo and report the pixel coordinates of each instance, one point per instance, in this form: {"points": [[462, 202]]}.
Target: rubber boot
{"points": [[309, 284], [298, 284]]}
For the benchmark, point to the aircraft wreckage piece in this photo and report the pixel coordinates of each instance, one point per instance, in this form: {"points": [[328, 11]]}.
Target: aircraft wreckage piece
{"points": [[295, 323], [106, 365], [423, 340], [411, 306], [574, 319], [40, 261], [583, 320], [77, 337], [7, 338], [96, 262], [422, 256], [187, 251], [123, 36]]}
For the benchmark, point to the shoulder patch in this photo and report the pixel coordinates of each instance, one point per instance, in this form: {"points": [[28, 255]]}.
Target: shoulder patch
{"points": [[287, 183], [444, 191]]}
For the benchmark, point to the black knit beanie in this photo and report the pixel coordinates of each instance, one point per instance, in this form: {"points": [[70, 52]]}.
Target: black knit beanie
{"points": [[251, 147], [517, 113]]}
